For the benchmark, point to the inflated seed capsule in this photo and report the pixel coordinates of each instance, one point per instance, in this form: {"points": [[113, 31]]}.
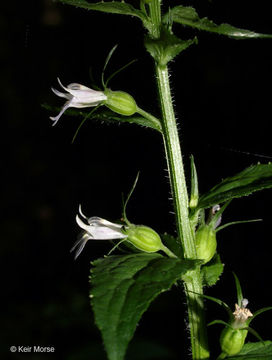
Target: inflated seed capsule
{"points": [[232, 340], [205, 243], [120, 102], [233, 337], [144, 238]]}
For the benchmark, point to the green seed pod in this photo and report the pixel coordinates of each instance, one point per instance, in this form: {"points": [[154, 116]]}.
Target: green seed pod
{"points": [[120, 102], [232, 340], [205, 243], [144, 238]]}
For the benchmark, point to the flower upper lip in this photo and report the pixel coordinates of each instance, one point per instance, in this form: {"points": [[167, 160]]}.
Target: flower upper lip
{"points": [[101, 229], [78, 96]]}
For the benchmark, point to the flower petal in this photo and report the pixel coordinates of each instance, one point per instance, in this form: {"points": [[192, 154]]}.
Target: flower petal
{"points": [[83, 225], [60, 94], [80, 244], [97, 221], [78, 87], [65, 88], [88, 96], [81, 213], [79, 104], [56, 118], [100, 229]]}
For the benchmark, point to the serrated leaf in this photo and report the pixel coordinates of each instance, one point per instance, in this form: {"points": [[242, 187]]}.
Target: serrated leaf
{"points": [[212, 271], [122, 289], [187, 15], [167, 47], [254, 351], [254, 178], [113, 7]]}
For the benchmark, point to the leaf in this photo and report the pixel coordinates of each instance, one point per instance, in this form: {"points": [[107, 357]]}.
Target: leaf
{"points": [[187, 15], [254, 333], [218, 301], [122, 289], [194, 185], [109, 116], [113, 7], [212, 271], [167, 47], [220, 322], [254, 351], [258, 312], [254, 178], [238, 290], [236, 223]]}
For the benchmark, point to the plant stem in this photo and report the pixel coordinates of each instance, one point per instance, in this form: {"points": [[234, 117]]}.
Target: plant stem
{"points": [[155, 15], [193, 283], [169, 252]]}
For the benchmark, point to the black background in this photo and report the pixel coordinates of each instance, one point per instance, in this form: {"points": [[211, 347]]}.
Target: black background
{"points": [[223, 100]]}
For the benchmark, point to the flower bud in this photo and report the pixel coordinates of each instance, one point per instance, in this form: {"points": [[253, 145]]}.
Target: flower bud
{"points": [[232, 340], [120, 102], [205, 243], [144, 238]]}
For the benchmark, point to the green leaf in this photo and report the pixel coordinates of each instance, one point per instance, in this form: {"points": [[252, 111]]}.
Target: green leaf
{"points": [[238, 290], [194, 195], [113, 7], [236, 223], [254, 178], [109, 116], [258, 312], [254, 333], [218, 301], [122, 289], [167, 47], [220, 322], [212, 271], [254, 351], [187, 15]]}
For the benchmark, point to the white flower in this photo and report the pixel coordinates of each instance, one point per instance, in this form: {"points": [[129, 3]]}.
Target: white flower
{"points": [[96, 228], [78, 96]]}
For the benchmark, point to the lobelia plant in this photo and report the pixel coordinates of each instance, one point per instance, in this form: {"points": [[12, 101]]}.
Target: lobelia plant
{"points": [[123, 286]]}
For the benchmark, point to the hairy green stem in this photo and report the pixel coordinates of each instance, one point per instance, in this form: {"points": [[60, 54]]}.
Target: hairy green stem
{"points": [[193, 283], [155, 15]]}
